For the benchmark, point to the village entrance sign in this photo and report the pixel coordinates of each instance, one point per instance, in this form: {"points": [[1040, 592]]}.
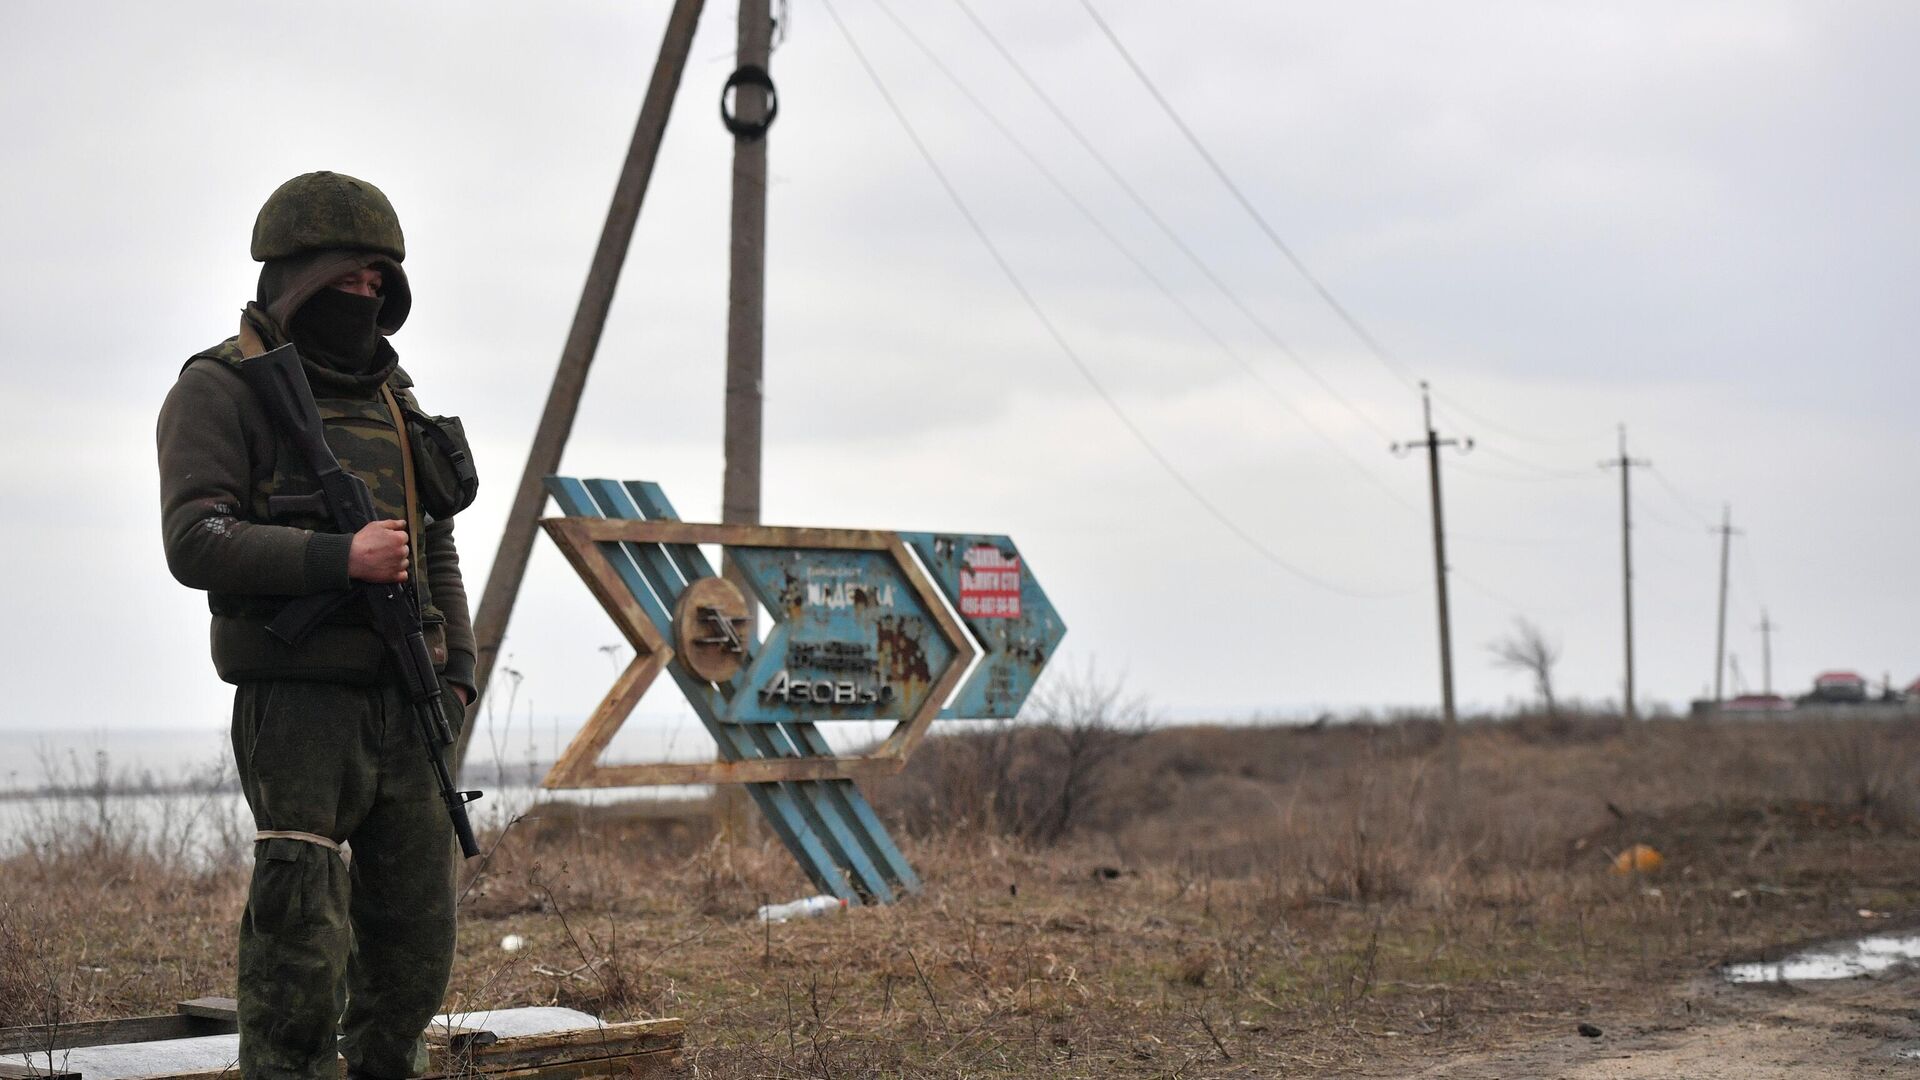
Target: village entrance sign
{"points": [[907, 627]]}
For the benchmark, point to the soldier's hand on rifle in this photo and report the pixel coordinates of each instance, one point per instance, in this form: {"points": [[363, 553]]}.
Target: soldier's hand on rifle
{"points": [[379, 553]]}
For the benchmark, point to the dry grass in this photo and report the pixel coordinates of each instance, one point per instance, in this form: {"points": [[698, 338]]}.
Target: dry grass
{"points": [[1222, 901]]}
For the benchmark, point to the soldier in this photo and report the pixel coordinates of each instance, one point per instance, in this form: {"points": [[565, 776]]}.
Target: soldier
{"points": [[327, 753]]}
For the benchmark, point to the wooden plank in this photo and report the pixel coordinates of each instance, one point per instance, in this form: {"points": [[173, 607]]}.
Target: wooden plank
{"points": [[509, 565], [66, 1036], [748, 771], [639, 531], [638, 1055], [211, 1008], [584, 1044], [8, 1072], [659, 1063], [459, 1040]]}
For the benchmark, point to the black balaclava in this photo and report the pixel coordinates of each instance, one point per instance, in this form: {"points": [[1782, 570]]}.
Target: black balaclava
{"points": [[340, 336], [338, 329]]}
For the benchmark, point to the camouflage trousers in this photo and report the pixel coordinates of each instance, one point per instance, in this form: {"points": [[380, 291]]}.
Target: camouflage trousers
{"points": [[363, 941]]}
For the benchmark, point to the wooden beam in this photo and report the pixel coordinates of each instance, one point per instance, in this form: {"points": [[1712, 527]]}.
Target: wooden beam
{"points": [[614, 1041], [638, 531], [583, 339], [211, 1008], [9, 1072], [664, 1062], [639, 1048], [659, 1063], [66, 1036]]}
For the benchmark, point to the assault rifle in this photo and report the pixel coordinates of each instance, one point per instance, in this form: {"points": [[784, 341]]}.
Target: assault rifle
{"points": [[281, 385]]}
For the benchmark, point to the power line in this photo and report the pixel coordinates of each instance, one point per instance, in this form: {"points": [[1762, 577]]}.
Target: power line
{"points": [[1641, 509], [1538, 473], [1517, 541], [1497, 596], [1542, 471], [1455, 406], [1160, 222], [1066, 347], [1138, 263], [1353, 323], [1682, 499], [1366, 336], [1751, 567], [1543, 476]]}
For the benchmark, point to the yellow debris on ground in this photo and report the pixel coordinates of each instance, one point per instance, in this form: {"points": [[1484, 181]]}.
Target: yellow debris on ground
{"points": [[1638, 859]]}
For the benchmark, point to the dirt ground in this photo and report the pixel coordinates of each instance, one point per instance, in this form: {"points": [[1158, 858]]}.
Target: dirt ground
{"points": [[1706, 1030], [1221, 903]]}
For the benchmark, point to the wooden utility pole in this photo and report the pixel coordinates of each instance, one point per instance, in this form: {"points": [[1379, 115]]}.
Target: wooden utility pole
{"points": [[1767, 627], [1433, 442], [583, 339], [1626, 465], [746, 322], [1727, 533]]}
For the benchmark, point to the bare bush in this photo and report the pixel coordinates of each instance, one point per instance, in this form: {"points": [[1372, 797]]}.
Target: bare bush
{"points": [[1528, 649], [1862, 764], [20, 982], [1036, 779]]}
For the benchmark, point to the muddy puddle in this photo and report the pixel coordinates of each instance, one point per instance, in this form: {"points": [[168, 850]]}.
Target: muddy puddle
{"points": [[1845, 960]]}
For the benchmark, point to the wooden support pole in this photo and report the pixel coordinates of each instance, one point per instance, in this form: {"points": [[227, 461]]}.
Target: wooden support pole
{"points": [[583, 339]]}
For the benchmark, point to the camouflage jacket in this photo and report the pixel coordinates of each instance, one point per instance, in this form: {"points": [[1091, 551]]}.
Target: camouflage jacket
{"points": [[220, 460]]}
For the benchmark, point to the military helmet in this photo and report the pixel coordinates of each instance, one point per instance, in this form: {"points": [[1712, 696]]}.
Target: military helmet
{"points": [[326, 210]]}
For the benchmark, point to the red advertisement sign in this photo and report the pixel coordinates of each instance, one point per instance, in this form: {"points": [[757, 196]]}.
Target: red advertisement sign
{"points": [[990, 584]]}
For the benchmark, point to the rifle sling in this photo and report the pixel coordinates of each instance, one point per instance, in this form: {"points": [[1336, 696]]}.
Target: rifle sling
{"points": [[407, 481]]}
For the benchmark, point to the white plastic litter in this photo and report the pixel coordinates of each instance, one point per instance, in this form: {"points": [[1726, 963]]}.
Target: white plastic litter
{"points": [[513, 943], [799, 909], [129, 1060]]}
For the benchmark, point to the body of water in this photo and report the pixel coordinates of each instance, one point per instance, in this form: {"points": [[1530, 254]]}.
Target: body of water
{"points": [[173, 792]]}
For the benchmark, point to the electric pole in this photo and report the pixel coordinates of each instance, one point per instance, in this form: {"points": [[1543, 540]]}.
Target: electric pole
{"points": [[1433, 442], [1727, 533], [747, 268], [753, 107], [1626, 465], [1767, 627]]}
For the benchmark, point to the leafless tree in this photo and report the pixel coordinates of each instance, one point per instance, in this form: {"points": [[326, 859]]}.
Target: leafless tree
{"points": [[1528, 649]]}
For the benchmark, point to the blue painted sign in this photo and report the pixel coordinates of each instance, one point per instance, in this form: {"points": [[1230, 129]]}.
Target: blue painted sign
{"points": [[867, 626], [1003, 606], [853, 638]]}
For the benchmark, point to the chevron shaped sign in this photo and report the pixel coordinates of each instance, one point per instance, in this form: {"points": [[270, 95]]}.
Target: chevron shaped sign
{"points": [[1005, 610], [867, 625]]}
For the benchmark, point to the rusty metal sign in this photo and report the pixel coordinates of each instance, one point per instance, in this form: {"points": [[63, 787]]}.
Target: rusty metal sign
{"points": [[867, 625]]}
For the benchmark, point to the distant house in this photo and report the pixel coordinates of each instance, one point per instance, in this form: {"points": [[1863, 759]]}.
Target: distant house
{"points": [[1838, 688], [1757, 703]]}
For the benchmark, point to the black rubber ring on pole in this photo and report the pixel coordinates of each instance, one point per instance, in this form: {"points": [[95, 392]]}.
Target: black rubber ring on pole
{"points": [[749, 75]]}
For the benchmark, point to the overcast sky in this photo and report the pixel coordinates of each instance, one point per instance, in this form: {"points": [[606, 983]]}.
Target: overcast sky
{"points": [[1698, 220]]}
